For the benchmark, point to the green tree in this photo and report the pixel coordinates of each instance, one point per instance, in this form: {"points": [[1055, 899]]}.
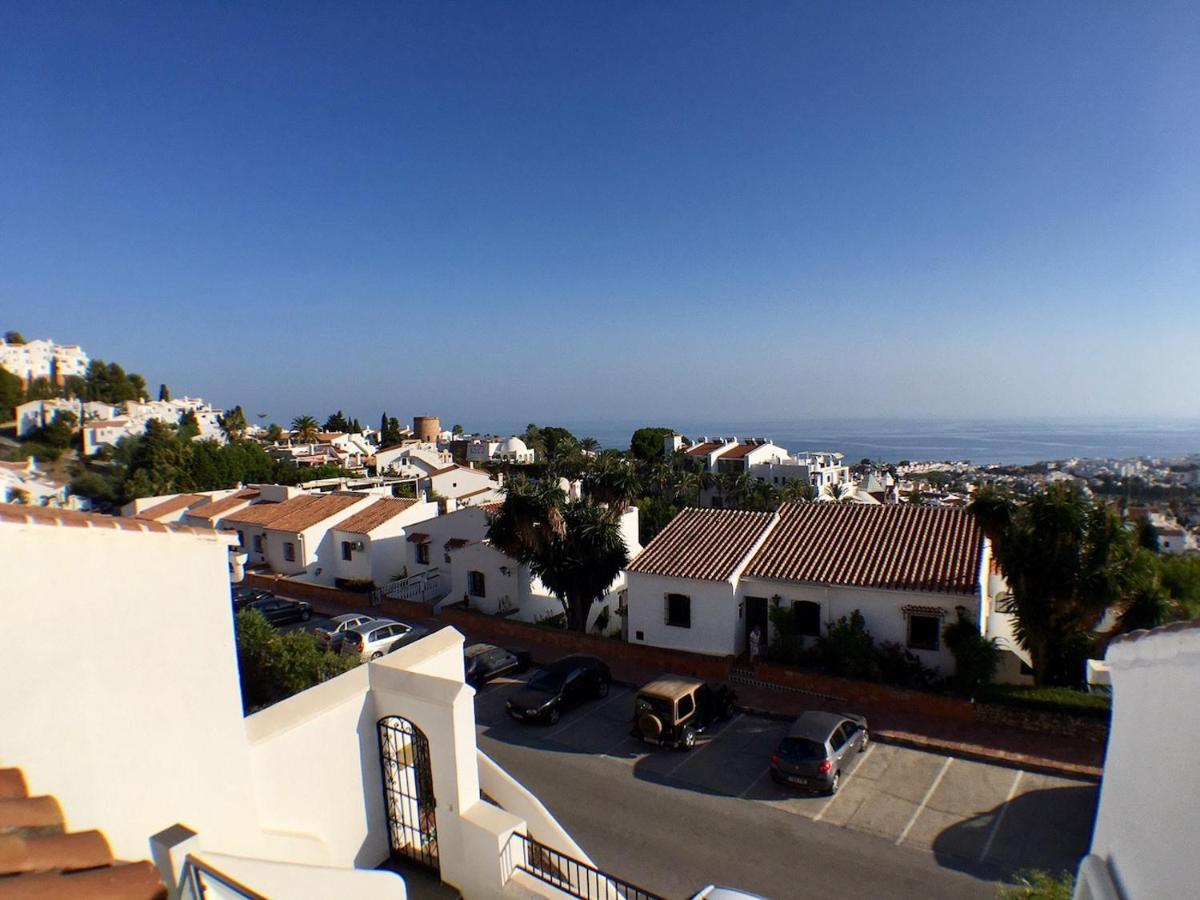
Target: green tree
{"points": [[61, 430], [305, 429], [189, 425], [273, 667], [1146, 534], [14, 337], [647, 443], [336, 422], [837, 492], [611, 480], [164, 392], [1181, 580], [12, 394], [574, 547], [457, 429], [96, 488], [797, 489], [589, 445], [274, 433], [1066, 561], [233, 424], [389, 432], [976, 657]]}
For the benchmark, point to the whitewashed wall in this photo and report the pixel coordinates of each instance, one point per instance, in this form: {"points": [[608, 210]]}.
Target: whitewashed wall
{"points": [[714, 626]]}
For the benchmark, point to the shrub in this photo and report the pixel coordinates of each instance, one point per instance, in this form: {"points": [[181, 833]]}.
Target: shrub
{"points": [[552, 620], [1039, 885], [357, 585], [975, 656], [899, 666], [273, 667], [847, 648], [1067, 701]]}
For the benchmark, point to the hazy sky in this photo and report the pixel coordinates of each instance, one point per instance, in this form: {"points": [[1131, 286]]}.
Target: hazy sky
{"points": [[559, 211]]}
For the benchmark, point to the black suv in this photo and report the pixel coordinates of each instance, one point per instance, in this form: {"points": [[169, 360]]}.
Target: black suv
{"points": [[555, 688], [672, 710]]}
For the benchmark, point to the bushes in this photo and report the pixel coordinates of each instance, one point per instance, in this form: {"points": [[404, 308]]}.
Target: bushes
{"points": [[1050, 699], [273, 667], [848, 649], [975, 656]]}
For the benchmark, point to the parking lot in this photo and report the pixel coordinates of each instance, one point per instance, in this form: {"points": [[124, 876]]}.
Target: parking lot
{"points": [[983, 819]]}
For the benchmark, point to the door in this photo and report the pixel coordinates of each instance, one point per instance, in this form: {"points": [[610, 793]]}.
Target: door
{"points": [[756, 616], [408, 799]]}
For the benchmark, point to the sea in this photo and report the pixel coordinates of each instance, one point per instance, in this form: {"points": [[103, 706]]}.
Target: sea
{"points": [[983, 442]]}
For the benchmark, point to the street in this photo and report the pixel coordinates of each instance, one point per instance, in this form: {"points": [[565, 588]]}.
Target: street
{"points": [[905, 824]]}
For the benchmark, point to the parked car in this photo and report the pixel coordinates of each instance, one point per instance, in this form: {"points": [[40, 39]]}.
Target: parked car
{"points": [[561, 685], [816, 750], [414, 634], [279, 611], [483, 662], [244, 596], [330, 637], [671, 710], [371, 640]]}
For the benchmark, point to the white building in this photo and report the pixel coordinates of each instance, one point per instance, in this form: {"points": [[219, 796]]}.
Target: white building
{"points": [[43, 359], [294, 801], [371, 545], [711, 576], [491, 448], [763, 460], [1142, 844], [21, 482], [135, 415]]}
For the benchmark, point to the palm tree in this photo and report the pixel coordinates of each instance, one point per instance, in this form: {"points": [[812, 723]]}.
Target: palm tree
{"points": [[574, 547], [233, 424], [305, 429], [589, 445], [1066, 561], [837, 492], [611, 480], [796, 489]]}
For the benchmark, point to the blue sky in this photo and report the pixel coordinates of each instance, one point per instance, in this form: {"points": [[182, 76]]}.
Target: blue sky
{"points": [[562, 212]]}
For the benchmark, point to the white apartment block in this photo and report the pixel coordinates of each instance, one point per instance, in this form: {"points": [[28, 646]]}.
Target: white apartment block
{"points": [[133, 416], [763, 460], [43, 359]]}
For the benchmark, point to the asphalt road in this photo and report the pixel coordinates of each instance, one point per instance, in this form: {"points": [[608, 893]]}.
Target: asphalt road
{"points": [[644, 822]]}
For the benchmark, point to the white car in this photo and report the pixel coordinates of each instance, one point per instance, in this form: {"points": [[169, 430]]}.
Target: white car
{"points": [[330, 638], [371, 640]]}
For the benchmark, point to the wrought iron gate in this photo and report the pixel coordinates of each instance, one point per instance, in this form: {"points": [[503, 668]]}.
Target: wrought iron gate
{"points": [[408, 790]]}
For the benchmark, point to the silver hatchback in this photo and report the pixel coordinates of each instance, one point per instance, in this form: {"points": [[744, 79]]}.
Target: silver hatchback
{"points": [[817, 748], [371, 640]]}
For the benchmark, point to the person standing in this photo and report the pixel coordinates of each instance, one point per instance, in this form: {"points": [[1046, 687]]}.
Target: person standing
{"points": [[755, 644]]}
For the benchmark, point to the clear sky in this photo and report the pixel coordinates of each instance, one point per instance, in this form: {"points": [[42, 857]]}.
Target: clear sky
{"points": [[581, 211]]}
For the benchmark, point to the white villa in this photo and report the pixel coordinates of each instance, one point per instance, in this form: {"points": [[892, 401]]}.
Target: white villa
{"points": [[132, 417], [711, 576], [761, 459], [22, 482], [491, 448], [43, 359], [305, 799]]}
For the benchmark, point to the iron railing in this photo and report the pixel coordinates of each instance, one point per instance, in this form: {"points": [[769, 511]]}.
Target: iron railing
{"points": [[569, 875], [421, 587], [197, 877]]}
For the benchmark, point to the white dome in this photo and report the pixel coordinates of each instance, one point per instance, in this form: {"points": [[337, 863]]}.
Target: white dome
{"points": [[512, 445]]}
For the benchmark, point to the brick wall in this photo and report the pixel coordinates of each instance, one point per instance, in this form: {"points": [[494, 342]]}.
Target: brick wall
{"points": [[552, 643], [867, 694], [348, 601]]}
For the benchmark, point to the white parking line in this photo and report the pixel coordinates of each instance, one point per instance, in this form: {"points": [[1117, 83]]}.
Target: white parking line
{"points": [[763, 774], [824, 809], [577, 719], [688, 757], [924, 800], [1012, 792]]}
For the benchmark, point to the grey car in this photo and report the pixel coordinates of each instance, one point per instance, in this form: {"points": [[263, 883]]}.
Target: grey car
{"points": [[331, 636], [816, 751]]}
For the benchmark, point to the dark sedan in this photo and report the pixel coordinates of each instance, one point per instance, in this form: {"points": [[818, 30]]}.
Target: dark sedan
{"points": [[279, 611], [555, 688], [483, 662], [817, 748], [244, 596]]}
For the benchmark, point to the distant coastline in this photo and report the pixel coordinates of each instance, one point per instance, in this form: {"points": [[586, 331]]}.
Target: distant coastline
{"points": [[983, 442]]}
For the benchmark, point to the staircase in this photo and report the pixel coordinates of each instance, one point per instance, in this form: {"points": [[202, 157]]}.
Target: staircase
{"points": [[40, 859]]}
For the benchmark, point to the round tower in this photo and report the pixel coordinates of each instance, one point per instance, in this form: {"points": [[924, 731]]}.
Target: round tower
{"points": [[426, 429]]}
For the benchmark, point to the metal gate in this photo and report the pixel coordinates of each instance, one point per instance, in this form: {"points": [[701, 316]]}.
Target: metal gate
{"points": [[408, 790]]}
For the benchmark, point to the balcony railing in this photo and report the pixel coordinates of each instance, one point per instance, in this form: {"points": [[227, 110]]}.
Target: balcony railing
{"points": [[568, 874], [422, 587], [200, 881]]}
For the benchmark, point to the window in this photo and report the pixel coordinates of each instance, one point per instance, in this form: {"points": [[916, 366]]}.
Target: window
{"points": [[640, 635], [475, 584], [347, 550], [837, 740], [241, 538], [423, 554], [679, 610], [258, 543], [686, 705], [289, 551], [923, 632], [807, 618]]}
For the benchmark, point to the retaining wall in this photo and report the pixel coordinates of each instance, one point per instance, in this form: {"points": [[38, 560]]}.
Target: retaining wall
{"points": [[350, 601]]}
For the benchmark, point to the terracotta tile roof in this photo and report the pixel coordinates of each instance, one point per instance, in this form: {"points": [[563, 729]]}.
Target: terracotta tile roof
{"points": [[167, 507], [703, 449], [39, 859], [69, 518], [214, 509], [296, 514], [367, 520], [703, 543], [740, 451], [905, 547]]}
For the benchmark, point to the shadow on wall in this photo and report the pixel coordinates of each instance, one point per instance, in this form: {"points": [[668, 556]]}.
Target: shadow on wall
{"points": [[376, 847], [1048, 829]]}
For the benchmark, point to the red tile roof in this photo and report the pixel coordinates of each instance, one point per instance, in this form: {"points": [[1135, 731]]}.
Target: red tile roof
{"points": [[919, 548], [740, 451], [703, 449], [167, 507], [69, 518], [296, 514], [703, 543], [367, 520], [214, 509]]}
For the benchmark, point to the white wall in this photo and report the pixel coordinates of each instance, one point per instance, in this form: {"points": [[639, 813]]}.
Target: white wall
{"points": [[1146, 820], [128, 700], [714, 627]]}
